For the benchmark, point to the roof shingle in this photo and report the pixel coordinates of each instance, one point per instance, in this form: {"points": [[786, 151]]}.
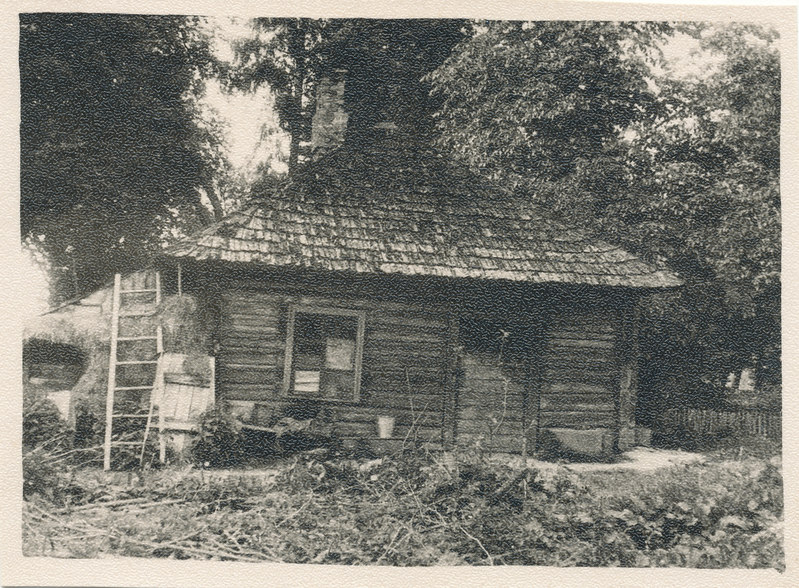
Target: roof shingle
{"points": [[410, 211]]}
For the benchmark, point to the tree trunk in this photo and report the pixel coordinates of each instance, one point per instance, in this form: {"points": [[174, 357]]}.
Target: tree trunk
{"points": [[297, 49], [294, 151], [216, 203]]}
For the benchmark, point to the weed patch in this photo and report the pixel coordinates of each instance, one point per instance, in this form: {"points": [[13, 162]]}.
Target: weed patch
{"points": [[416, 509]]}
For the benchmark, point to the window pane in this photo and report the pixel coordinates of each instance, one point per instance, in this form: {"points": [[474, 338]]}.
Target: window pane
{"points": [[306, 380], [324, 355], [340, 354], [337, 385]]}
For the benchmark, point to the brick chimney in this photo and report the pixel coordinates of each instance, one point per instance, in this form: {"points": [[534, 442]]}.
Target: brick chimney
{"points": [[329, 123]]}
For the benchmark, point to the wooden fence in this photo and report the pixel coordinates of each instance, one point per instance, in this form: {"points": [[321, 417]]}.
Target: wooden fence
{"points": [[740, 422]]}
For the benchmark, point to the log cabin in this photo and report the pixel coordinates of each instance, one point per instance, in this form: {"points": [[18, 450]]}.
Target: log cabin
{"points": [[383, 284]]}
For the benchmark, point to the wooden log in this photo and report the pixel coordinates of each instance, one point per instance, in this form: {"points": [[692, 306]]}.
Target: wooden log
{"points": [[252, 296], [581, 343], [398, 348], [509, 427], [482, 415], [264, 310], [490, 397], [566, 352], [416, 364], [267, 310], [250, 392], [329, 291], [579, 334], [566, 363], [418, 382], [560, 401], [492, 386], [251, 345], [389, 400], [490, 407], [265, 377], [375, 305], [588, 408], [577, 374], [595, 321], [566, 388], [250, 329], [432, 340], [578, 419], [412, 321], [247, 357], [259, 328], [257, 367]]}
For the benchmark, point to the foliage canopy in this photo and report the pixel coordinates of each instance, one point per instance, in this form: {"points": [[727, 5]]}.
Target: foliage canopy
{"points": [[113, 147], [584, 118], [385, 61]]}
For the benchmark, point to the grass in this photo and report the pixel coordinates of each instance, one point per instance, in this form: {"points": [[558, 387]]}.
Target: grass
{"points": [[412, 509]]}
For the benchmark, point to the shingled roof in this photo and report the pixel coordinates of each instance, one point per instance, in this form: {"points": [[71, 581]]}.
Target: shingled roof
{"points": [[399, 209]]}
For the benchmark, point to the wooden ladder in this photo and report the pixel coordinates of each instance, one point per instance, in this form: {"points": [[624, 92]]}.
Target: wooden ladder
{"points": [[130, 400]]}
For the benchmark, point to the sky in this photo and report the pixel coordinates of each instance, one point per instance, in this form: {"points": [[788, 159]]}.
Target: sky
{"points": [[247, 114], [30, 285]]}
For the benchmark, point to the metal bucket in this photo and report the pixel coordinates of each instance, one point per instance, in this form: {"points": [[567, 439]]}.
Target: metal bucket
{"points": [[385, 427]]}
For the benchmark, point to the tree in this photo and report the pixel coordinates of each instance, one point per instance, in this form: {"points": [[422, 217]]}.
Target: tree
{"points": [[709, 201], [112, 149], [529, 100], [385, 62], [686, 171], [283, 54]]}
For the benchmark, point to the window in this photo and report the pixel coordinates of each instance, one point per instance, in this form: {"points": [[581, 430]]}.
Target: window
{"points": [[324, 347]]}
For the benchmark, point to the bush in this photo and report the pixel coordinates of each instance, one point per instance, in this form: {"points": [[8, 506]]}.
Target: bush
{"points": [[480, 512], [48, 477], [186, 322], [42, 423], [89, 429], [220, 443]]}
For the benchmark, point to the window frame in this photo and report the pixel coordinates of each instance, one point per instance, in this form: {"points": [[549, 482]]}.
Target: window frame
{"points": [[360, 315]]}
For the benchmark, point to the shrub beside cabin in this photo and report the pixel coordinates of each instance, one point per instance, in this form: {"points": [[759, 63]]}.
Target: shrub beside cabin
{"points": [[384, 282]]}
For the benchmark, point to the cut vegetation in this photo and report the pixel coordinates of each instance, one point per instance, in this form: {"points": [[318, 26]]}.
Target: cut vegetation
{"points": [[416, 509]]}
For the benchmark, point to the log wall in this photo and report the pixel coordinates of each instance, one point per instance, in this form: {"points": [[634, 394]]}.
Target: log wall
{"points": [[497, 343], [565, 364], [491, 402], [579, 370], [403, 373]]}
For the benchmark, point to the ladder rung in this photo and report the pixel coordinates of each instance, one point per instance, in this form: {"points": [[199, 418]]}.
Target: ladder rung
{"points": [[136, 309]]}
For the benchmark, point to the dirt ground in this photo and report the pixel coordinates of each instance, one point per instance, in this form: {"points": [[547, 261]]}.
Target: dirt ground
{"points": [[642, 459]]}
